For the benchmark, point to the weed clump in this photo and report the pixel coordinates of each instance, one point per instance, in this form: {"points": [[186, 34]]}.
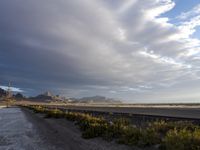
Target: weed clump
{"points": [[54, 113], [182, 139], [167, 135], [38, 109]]}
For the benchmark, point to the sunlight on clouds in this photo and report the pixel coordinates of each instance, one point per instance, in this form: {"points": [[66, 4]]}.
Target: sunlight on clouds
{"points": [[14, 89], [164, 60], [192, 13], [94, 45], [188, 27], [159, 7]]}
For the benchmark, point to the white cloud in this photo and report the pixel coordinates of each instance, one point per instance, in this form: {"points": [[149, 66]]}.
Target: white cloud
{"points": [[164, 60], [14, 89], [156, 8], [187, 28], [145, 86], [192, 13], [126, 5], [94, 46], [129, 89], [113, 92]]}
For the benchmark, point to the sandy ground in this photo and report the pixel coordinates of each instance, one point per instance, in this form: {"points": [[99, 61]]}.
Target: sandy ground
{"points": [[23, 130]]}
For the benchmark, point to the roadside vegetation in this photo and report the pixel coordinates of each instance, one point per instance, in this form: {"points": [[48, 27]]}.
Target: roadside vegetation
{"points": [[164, 135]]}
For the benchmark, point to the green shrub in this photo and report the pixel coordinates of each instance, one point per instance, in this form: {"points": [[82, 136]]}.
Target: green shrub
{"points": [[55, 113], [196, 139], [149, 137], [108, 134], [71, 116], [121, 122], [118, 126], [94, 130], [183, 139], [89, 122], [162, 127], [171, 135], [38, 109], [130, 136]]}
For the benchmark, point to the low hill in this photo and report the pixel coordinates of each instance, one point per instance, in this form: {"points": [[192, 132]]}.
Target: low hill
{"points": [[96, 99], [45, 97], [48, 97], [2, 92]]}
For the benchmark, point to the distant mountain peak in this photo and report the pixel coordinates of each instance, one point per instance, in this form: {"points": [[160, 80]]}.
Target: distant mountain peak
{"points": [[48, 97]]}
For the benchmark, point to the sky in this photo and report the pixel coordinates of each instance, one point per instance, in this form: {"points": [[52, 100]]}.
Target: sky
{"points": [[139, 51]]}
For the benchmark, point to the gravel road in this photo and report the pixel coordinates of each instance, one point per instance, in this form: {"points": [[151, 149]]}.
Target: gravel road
{"points": [[17, 133], [20, 129]]}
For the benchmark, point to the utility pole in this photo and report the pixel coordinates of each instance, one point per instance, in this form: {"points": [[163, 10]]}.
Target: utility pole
{"points": [[8, 95]]}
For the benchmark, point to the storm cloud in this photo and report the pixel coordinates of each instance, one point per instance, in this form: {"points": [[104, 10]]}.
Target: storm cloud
{"points": [[123, 49]]}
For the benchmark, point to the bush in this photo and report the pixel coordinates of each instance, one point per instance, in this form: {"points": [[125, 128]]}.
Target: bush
{"points": [[90, 122], [149, 137], [55, 113], [94, 130], [130, 136], [118, 126], [38, 109], [171, 135], [183, 139], [162, 127], [71, 116], [196, 140]]}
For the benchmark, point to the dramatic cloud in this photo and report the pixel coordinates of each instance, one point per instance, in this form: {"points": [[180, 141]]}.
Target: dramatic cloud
{"points": [[117, 48], [13, 89]]}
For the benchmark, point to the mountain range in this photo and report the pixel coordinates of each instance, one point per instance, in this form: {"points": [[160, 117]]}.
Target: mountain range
{"points": [[49, 97], [2, 92], [96, 99]]}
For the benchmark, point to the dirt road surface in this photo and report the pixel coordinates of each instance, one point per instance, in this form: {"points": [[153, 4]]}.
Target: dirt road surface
{"points": [[20, 129]]}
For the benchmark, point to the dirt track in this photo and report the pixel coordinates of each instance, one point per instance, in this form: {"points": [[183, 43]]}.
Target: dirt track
{"points": [[17, 133], [64, 135], [24, 130]]}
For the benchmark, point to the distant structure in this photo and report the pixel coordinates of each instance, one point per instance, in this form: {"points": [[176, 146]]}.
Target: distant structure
{"points": [[8, 95], [9, 91]]}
